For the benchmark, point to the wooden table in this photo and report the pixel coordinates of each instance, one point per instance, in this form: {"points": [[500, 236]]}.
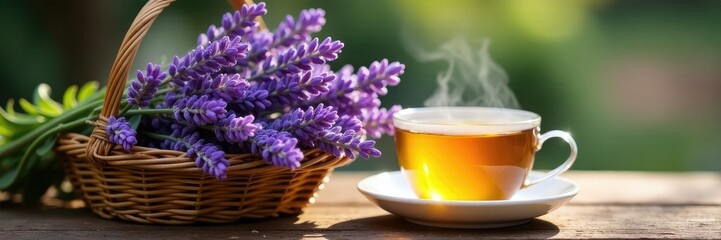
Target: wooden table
{"points": [[610, 205]]}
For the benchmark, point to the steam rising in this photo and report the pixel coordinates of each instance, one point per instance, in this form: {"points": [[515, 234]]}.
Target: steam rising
{"points": [[472, 78]]}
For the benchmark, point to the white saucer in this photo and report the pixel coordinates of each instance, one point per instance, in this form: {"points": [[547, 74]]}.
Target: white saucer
{"points": [[391, 191]]}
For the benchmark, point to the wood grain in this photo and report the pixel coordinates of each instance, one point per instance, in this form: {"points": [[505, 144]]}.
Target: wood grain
{"points": [[604, 212], [654, 222]]}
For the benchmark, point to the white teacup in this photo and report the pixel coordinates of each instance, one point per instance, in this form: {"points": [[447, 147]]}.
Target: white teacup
{"points": [[471, 153]]}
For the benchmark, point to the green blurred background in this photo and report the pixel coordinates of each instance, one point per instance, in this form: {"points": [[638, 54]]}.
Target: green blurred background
{"points": [[638, 83]]}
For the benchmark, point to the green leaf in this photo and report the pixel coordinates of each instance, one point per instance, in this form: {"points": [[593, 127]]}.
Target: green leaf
{"points": [[28, 107], [5, 132], [6, 180], [69, 97], [27, 162], [10, 108], [46, 105], [5, 125], [20, 119], [46, 146], [88, 90], [31, 161], [135, 121], [14, 124], [9, 162]]}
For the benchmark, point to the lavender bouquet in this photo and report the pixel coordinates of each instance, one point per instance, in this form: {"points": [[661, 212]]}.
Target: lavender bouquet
{"points": [[241, 90]]}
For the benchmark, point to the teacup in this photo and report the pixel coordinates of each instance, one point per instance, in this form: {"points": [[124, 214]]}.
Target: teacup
{"points": [[471, 153]]}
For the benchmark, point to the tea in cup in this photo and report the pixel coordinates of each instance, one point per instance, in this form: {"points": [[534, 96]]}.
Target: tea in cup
{"points": [[471, 153]]}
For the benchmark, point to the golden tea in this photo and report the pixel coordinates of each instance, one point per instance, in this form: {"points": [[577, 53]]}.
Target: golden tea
{"points": [[460, 167], [471, 153]]}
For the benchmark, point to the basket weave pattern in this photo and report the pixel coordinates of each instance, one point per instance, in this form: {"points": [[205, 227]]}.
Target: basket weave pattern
{"points": [[160, 186]]}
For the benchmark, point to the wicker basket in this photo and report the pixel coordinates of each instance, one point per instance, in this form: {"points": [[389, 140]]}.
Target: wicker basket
{"points": [[160, 186]]}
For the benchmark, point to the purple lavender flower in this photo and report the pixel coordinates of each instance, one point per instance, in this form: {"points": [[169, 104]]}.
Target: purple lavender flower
{"points": [[306, 125], [254, 100], [228, 95], [299, 58], [199, 110], [277, 148], [201, 61], [319, 69], [260, 42], [291, 32], [349, 122], [159, 124], [337, 142], [355, 103], [227, 87], [235, 129], [170, 99], [352, 93], [155, 124], [338, 89], [120, 132], [208, 156], [240, 23], [378, 76], [179, 131], [379, 121], [343, 96], [143, 89], [297, 87]]}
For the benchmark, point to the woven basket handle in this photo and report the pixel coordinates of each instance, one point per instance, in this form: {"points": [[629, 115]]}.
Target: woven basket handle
{"points": [[99, 144]]}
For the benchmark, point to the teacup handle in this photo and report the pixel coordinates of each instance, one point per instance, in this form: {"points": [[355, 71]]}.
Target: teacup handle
{"points": [[564, 166]]}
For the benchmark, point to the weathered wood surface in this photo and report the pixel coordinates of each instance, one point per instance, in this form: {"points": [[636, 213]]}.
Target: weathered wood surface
{"points": [[611, 205]]}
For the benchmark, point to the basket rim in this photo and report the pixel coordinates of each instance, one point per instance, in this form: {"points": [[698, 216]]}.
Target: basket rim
{"points": [[147, 158]]}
